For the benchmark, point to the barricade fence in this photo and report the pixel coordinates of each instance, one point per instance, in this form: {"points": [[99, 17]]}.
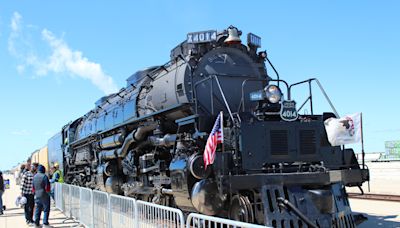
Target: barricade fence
{"points": [[86, 207], [166, 217], [203, 221], [97, 209], [75, 201], [101, 207], [58, 196]]}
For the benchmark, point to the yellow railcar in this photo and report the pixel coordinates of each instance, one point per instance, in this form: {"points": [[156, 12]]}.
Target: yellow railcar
{"points": [[41, 156]]}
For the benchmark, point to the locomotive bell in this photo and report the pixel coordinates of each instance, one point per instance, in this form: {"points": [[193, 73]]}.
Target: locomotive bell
{"points": [[233, 36]]}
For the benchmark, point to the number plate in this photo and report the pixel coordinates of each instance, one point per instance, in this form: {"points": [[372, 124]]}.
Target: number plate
{"points": [[289, 111], [201, 37]]}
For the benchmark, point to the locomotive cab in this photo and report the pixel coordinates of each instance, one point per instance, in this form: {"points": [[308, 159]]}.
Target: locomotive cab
{"points": [[286, 158]]}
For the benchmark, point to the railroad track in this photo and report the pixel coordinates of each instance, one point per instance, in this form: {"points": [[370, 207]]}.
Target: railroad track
{"points": [[369, 196]]}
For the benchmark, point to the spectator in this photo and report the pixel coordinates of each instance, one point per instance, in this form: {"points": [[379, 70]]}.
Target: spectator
{"points": [[28, 163], [26, 190], [41, 188], [35, 166], [2, 188], [20, 174], [57, 175]]}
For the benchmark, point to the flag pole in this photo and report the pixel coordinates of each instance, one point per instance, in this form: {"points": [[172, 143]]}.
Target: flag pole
{"points": [[223, 147], [362, 142], [222, 129]]}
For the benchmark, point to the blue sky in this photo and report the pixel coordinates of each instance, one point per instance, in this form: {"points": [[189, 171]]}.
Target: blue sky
{"points": [[57, 58]]}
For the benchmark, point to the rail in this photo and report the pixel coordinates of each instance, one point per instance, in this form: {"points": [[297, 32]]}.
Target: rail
{"points": [[371, 196], [309, 98]]}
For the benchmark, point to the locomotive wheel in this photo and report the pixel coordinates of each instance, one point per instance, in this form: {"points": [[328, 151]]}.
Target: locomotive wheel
{"points": [[241, 209]]}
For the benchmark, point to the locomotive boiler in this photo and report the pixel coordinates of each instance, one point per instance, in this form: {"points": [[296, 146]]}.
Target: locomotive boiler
{"points": [[275, 167]]}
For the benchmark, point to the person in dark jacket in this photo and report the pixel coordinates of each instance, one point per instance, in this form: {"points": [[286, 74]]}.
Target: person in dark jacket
{"points": [[2, 188], [41, 188]]}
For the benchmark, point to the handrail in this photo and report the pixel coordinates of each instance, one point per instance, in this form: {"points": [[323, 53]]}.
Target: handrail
{"points": [[223, 97], [310, 94], [242, 102]]}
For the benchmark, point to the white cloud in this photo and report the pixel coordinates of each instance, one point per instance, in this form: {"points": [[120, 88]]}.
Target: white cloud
{"points": [[61, 59], [16, 22], [15, 25], [22, 132], [21, 69]]}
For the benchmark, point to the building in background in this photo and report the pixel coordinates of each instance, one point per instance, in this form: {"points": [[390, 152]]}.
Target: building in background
{"points": [[392, 151]]}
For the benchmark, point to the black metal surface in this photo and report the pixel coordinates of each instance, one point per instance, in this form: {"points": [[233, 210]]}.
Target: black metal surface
{"points": [[279, 142], [249, 181], [147, 140], [205, 197], [302, 207]]}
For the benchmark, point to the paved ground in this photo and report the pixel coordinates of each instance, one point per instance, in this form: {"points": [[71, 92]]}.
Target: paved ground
{"points": [[379, 213], [385, 178], [14, 217]]}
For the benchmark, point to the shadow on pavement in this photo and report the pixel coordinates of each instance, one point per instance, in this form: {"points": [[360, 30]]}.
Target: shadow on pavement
{"points": [[380, 221], [12, 214], [58, 218], [13, 209], [64, 223]]}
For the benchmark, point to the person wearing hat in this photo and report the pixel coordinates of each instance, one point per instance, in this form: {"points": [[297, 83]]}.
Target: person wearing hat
{"points": [[35, 166], [2, 188], [57, 174], [57, 177], [41, 188]]}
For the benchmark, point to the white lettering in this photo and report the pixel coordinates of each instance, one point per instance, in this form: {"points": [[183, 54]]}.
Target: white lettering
{"points": [[214, 35], [196, 38], [190, 38], [201, 37], [207, 36]]}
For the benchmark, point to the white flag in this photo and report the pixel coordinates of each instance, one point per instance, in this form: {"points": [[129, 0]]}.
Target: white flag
{"points": [[344, 130]]}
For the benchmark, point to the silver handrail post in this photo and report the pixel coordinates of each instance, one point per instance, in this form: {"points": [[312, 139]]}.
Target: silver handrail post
{"points": [[223, 97]]}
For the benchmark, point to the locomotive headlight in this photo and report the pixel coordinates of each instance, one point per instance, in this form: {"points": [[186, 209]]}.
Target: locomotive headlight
{"points": [[273, 93]]}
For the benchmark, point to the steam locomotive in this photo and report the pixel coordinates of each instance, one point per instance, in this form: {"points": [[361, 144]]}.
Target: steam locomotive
{"points": [[274, 167]]}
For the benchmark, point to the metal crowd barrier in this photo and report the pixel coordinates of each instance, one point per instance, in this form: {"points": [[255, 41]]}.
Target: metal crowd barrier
{"points": [[86, 207], [150, 215], [75, 201], [58, 196], [122, 211], [99, 209], [66, 197], [204, 221]]}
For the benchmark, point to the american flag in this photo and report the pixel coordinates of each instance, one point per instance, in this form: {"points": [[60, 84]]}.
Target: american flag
{"points": [[216, 136]]}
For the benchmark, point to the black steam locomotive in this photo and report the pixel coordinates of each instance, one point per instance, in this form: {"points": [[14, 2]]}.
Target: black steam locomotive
{"points": [[275, 166]]}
